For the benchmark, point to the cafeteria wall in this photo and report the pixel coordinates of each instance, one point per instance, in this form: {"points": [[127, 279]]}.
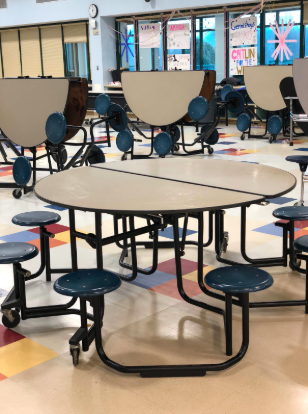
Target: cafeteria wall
{"points": [[102, 46]]}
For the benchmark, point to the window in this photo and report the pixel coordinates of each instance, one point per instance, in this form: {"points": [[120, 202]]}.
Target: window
{"points": [[127, 47], [278, 16], [180, 51], [151, 58], [205, 43], [234, 15], [76, 60]]}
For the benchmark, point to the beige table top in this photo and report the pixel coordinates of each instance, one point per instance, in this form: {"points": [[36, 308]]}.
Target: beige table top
{"points": [[230, 175], [161, 97], [104, 190], [300, 70], [262, 85], [25, 105]]}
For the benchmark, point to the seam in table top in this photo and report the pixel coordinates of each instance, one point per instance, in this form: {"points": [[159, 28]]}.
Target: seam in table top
{"points": [[180, 181]]}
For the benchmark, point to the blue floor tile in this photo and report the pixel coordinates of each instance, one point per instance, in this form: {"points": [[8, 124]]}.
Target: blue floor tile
{"points": [[226, 143], [56, 207], [168, 232], [270, 229], [251, 162], [300, 149], [149, 281], [221, 152], [281, 200], [22, 236], [145, 145]]}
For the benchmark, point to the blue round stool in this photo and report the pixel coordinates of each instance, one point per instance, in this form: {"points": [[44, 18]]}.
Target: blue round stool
{"points": [[102, 103], [125, 140], [15, 253], [40, 219], [302, 161], [22, 171], [117, 117], [163, 143], [198, 108], [87, 285], [224, 92], [96, 155], [243, 122], [56, 127], [290, 215], [238, 281]]}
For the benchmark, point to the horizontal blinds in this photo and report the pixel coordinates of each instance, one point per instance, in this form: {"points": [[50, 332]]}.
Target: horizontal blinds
{"points": [[75, 33], [30, 52], [52, 51], [10, 53]]}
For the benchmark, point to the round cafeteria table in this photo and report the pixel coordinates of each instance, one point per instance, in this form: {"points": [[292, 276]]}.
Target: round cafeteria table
{"points": [[161, 191]]}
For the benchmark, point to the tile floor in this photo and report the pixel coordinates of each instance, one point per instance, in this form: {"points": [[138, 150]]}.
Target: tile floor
{"points": [[147, 322]]}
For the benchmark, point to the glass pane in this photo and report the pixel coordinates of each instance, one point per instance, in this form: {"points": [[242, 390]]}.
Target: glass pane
{"points": [[208, 50], [306, 40], [127, 48], [293, 47], [76, 60], [269, 47], [131, 56], [180, 51], [198, 57], [293, 15], [209, 23], [270, 17], [197, 24]]}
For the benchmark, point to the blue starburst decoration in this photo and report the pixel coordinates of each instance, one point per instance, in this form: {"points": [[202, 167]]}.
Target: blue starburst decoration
{"points": [[126, 44]]}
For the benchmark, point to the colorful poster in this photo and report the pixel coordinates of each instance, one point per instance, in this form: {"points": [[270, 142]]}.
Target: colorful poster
{"points": [[149, 35], [177, 62], [240, 57], [243, 31], [178, 36]]}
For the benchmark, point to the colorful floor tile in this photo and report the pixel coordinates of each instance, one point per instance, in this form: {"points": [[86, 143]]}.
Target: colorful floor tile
{"points": [[21, 355], [22, 236], [168, 232], [170, 289], [149, 281], [168, 266], [7, 336], [55, 207], [281, 200]]}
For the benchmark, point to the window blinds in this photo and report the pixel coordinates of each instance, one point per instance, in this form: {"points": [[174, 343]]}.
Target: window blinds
{"points": [[75, 33], [52, 51], [30, 52], [10, 53]]}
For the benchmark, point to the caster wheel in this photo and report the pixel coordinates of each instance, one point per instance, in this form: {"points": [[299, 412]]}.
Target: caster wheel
{"points": [[272, 139], [124, 157], [11, 319], [176, 147], [17, 194], [75, 352], [299, 203], [224, 245], [242, 137], [210, 151]]}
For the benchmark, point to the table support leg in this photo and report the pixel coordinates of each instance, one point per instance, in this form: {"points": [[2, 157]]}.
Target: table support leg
{"points": [[73, 240]]}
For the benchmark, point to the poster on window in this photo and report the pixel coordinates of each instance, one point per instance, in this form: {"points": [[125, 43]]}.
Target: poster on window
{"points": [[179, 62], [243, 31], [178, 36], [240, 57], [149, 35]]}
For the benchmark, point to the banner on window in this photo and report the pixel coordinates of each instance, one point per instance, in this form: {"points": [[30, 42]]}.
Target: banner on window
{"points": [[243, 31], [149, 35], [178, 36], [240, 57], [177, 62]]}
